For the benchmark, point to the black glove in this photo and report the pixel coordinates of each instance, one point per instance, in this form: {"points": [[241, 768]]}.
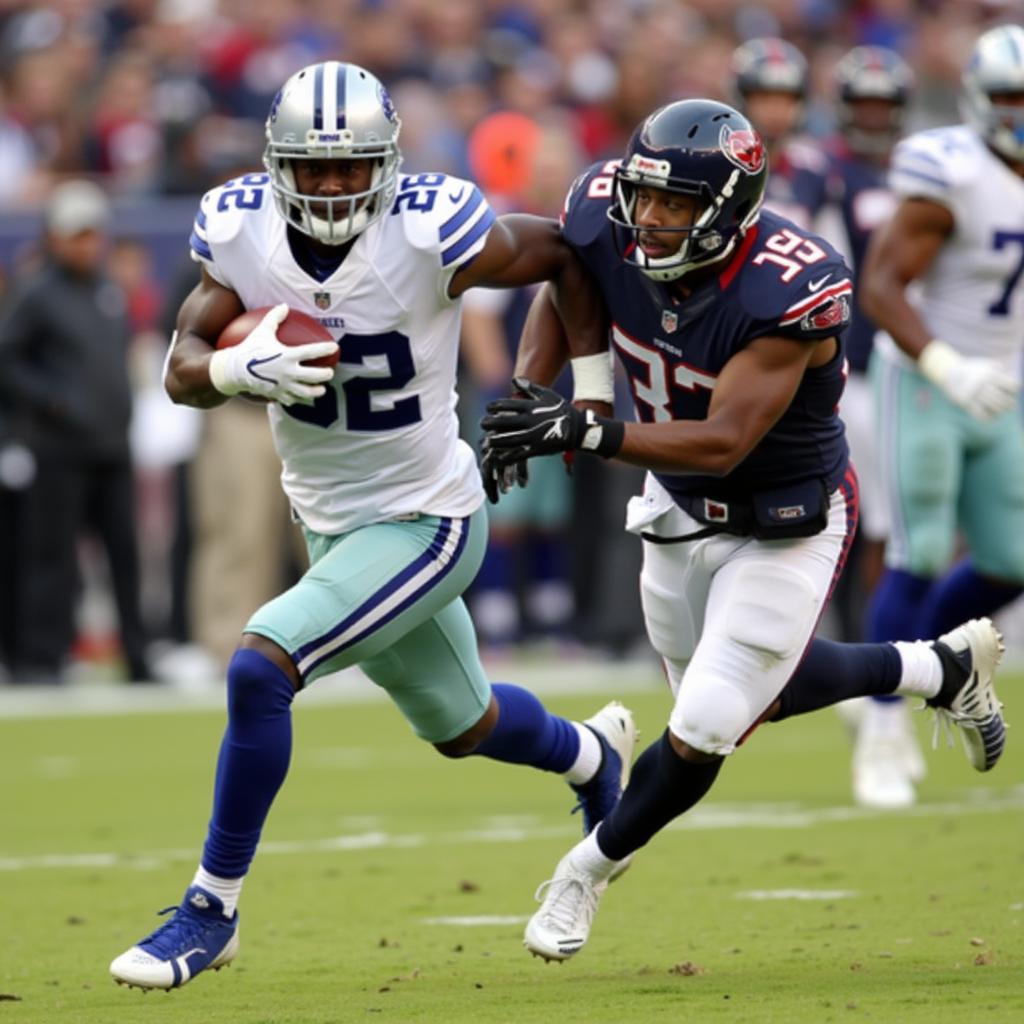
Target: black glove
{"points": [[502, 470], [542, 422]]}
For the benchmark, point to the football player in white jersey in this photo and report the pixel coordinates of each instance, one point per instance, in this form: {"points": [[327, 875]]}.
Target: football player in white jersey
{"points": [[389, 498], [947, 363]]}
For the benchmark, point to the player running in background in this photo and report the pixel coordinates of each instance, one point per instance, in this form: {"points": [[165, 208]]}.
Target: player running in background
{"points": [[770, 81], [389, 498], [729, 326], [873, 87], [947, 365]]}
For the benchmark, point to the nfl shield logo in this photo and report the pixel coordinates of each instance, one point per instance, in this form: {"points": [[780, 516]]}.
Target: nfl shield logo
{"points": [[669, 321], [322, 300]]}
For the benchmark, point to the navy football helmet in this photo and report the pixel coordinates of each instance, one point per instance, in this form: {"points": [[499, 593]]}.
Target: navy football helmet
{"points": [[696, 148], [996, 69], [872, 73], [769, 65]]}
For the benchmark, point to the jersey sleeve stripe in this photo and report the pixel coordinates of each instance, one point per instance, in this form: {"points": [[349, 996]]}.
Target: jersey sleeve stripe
{"points": [[469, 239], [200, 219], [468, 208], [908, 172], [902, 155], [200, 247], [797, 310]]}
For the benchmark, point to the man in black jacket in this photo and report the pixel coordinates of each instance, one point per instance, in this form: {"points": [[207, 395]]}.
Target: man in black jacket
{"points": [[64, 384]]}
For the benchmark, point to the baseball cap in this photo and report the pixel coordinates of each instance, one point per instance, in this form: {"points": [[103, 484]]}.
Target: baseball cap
{"points": [[77, 206]]}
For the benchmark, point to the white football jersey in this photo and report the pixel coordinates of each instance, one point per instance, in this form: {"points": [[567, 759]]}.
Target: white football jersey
{"points": [[383, 441], [972, 295]]}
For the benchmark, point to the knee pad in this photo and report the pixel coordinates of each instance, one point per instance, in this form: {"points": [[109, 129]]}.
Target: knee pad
{"points": [[712, 716], [256, 686], [775, 609]]}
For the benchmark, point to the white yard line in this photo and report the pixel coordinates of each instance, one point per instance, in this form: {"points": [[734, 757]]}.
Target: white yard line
{"points": [[710, 817], [348, 687]]}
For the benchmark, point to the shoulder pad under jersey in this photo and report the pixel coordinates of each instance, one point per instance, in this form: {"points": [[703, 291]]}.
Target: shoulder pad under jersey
{"points": [[443, 215], [937, 164], [585, 214], [222, 215], [793, 283]]}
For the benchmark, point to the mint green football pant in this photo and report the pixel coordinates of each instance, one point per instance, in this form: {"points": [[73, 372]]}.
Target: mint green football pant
{"points": [[943, 470], [387, 597]]}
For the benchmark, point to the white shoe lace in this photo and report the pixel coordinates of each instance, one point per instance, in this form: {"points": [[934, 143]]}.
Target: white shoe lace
{"points": [[569, 899]]}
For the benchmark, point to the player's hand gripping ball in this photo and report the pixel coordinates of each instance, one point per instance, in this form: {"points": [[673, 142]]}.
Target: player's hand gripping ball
{"points": [[294, 330]]}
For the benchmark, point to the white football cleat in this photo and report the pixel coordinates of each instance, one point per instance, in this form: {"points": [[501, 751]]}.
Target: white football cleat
{"points": [[886, 758], [970, 655], [560, 928]]}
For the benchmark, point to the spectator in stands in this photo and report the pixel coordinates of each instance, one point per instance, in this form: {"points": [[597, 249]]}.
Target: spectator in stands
{"points": [[64, 382]]}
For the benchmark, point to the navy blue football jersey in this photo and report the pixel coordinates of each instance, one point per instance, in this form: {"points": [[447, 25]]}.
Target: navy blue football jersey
{"points": [[780, 281], [861, 197]]}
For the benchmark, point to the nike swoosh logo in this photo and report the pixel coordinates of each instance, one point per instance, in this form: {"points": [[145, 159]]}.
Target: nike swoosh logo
{"points": [[249, 366], [456, 196], [817, 285]]}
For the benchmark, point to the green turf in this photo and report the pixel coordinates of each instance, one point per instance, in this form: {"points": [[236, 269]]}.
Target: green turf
{"points": [[932, 930]]}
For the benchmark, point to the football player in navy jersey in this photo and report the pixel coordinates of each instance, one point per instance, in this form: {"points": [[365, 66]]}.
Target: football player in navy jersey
{"points": [[873, 88], [728, 322], [770, 80]]}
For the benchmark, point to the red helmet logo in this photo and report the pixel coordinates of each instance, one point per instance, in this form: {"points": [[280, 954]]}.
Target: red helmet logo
{"points": [[743, 147]]}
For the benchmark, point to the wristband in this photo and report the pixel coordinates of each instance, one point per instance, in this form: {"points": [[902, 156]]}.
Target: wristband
{"points": [[602, 436], [593, 378], [220, 374], [937, 360]]}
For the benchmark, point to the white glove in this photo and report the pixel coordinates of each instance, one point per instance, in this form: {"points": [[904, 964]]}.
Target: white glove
{"points": [[981, 386], [260, 365]]}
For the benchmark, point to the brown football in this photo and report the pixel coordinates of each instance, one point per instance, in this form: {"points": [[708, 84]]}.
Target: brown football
{"points": [[296, 329]]}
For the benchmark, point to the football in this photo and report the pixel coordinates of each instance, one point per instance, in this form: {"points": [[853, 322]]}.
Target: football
{"points": [[296, 329]]}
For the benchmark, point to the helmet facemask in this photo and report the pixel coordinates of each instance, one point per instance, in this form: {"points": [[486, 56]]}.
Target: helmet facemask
{"points": [[702, 243], [333, 220], [332, 111]]}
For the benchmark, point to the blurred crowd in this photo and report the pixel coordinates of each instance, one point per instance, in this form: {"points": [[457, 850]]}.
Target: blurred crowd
{"points": [[157, 100]]}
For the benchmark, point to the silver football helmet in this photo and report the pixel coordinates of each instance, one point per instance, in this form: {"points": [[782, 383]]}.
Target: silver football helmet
{"points": [[332, 111], [996, 68]]}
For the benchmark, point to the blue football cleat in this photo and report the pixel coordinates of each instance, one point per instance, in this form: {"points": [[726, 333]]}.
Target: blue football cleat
{"points": [[615, 729], [197, 937]]}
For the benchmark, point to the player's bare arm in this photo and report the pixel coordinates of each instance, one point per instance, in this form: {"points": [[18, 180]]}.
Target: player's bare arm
{"points": [[754, 389], [738, 417], [521, 250], [901, 251], [204, 314]]}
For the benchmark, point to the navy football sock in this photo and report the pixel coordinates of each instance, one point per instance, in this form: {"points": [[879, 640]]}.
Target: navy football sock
{"points": [[661, 787], [527, 734], [895, 609], [253, 761], [962, 594], [832, 672]]}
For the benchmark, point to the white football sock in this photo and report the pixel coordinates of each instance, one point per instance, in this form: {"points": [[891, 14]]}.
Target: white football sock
{"points": [[586, 856], [227, 890], [922, 670], [588, 760]]}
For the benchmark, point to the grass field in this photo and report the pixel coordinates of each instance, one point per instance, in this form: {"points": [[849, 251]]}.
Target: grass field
{"points": [[393, 885]]}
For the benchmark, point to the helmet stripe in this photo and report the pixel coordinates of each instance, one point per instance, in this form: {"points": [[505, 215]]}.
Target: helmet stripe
{"points": [[339, 99], [318, 98], [1011, 42]]}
